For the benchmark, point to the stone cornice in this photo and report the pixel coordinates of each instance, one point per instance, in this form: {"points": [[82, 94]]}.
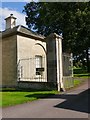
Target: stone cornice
{"points": [[22, 31], [53, 36]]}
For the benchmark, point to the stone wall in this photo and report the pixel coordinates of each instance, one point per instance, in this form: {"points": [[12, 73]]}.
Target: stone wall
{"points": [[27, 49], [19, 47], [9, 61], [36, 85], [54, 60]]}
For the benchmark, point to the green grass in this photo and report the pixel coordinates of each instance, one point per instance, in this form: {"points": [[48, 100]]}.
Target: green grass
{"points": [[0, 99], [84, 75], [10, 98], [77, 82], [79, 70], [13, 97]]}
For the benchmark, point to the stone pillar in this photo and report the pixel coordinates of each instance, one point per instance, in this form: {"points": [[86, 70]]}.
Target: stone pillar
{"points": [[72, 64], [54, 61]]}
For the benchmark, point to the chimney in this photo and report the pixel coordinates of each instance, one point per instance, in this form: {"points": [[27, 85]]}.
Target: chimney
{"points": [[10, 21]]}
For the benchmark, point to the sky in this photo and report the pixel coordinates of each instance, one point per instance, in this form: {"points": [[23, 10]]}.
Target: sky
{"points": [[16, 8]]}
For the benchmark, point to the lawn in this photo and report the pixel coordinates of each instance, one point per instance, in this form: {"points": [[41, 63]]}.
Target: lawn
{"points": [[13, 97], [77, 82], [10, 98], [81, 72], [84, 75]]}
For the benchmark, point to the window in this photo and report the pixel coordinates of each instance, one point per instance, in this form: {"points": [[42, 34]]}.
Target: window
{"points": [[38, 61]]}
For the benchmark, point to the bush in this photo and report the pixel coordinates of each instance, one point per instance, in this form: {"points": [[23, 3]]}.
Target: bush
{"points": [[79, 70]]}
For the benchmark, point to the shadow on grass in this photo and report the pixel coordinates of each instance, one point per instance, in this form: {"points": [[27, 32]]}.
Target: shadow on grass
{"points": [[22, 90], [40, 95]]}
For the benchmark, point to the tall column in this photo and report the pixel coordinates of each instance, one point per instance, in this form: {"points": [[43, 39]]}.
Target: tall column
{"points": [[54, 61]]}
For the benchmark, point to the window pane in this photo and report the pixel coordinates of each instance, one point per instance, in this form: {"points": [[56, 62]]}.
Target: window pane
{"points": [[38, 60]]}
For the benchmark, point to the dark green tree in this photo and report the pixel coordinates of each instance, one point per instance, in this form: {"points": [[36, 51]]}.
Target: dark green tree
{"points": [[70, 19]]}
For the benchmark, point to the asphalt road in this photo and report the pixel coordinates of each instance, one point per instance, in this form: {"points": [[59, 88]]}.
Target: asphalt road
{"points": [[71, 104]]}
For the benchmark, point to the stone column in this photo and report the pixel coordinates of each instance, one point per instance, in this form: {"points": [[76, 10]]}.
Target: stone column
{"points": [[54, 61]]}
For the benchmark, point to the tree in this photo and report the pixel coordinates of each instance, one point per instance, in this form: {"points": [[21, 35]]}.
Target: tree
{"points": [[70, 19]]}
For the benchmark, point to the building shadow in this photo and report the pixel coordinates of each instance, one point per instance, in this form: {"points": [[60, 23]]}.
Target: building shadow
{"points": [[78, 102], [39, 95]]}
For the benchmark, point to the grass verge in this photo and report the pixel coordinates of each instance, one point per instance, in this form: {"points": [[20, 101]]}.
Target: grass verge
{"points": [[84, 75], [10, 98], [77, 82]]}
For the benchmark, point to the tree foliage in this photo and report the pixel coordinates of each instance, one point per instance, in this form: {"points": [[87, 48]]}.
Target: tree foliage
{"points": [[71, 19]]}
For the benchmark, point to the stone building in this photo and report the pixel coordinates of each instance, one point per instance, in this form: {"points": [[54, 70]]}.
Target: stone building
{"points": [[29, 59]]}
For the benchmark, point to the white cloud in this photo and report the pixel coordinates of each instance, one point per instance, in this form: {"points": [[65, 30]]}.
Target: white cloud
{"points": [[17, 0], [45, 0], [5, 12]]}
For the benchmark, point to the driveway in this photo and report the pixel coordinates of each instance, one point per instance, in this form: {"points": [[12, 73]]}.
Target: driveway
{"points": [[71, 104]]}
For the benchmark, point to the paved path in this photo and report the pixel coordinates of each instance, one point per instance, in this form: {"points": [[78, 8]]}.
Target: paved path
{"points": [[73, 104]]}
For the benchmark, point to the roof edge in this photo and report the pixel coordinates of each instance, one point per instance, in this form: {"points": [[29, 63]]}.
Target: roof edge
{"points": [[16, 31]]}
